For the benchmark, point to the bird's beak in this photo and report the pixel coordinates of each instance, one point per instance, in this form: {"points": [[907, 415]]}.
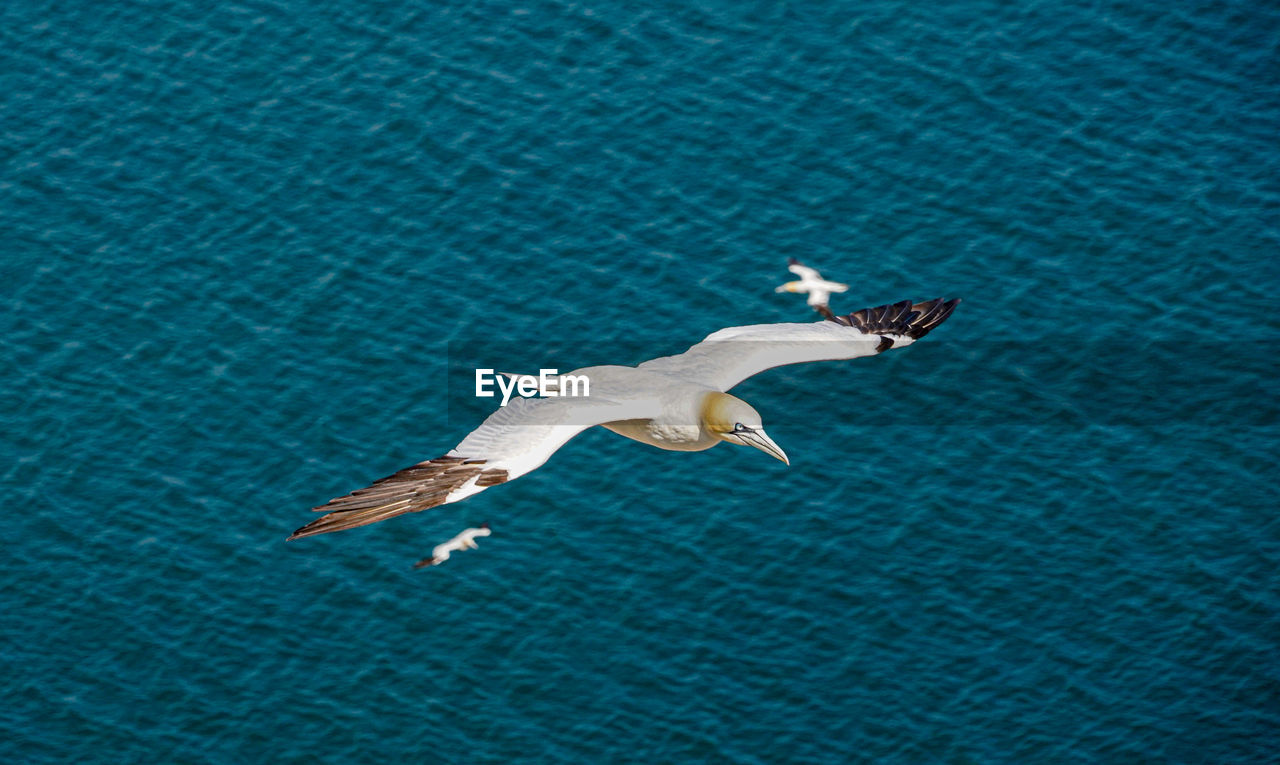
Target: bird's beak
{"points": [[783, 288], [761, 441]]}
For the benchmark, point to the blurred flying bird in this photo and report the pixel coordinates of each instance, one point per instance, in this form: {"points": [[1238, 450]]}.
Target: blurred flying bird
{"points": [[811, 281], [464, 541]]}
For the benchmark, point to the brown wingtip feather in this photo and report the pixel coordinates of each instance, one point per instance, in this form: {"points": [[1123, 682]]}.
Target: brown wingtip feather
{"points": [[420, 487]]}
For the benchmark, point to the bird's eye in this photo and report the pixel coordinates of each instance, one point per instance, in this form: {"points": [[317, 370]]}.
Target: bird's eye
{"points": [[738, 427]]}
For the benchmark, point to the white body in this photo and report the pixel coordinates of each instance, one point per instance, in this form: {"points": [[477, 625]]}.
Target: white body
{"points": [[662, 402]]}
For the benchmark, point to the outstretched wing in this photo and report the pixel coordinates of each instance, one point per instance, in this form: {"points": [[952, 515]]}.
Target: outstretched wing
{"points": [[731, 355], [512, 441], [802, 271]]}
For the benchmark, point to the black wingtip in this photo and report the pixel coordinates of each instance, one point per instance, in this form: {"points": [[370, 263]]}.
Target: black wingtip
{"points": [[913, 320], [791, 261]]}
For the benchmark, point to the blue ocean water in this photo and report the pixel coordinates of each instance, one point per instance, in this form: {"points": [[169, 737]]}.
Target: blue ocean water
{"points": [[252, 250]]}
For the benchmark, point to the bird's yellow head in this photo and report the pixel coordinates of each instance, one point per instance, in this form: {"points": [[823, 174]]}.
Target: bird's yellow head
{"points": [[731, 419], [790, 287]]}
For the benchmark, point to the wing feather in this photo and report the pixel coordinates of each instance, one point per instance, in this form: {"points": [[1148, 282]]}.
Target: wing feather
{"points": [[512, 441]]}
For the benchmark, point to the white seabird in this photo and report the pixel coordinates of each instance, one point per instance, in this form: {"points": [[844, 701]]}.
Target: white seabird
{"points": [[464, 541], [678, 403], [811, 281]]}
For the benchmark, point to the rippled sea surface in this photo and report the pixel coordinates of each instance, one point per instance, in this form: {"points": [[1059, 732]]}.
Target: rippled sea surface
{"points": [[252, 250]]}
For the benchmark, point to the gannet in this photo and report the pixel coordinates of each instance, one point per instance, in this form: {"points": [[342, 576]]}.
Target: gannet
{"points": [[464, 541], [811, 281], [678, 403]]}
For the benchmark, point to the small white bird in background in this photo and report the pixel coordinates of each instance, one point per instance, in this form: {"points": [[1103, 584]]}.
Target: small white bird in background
{"points": [[678, 403], [464, 541], [811, 281]]}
